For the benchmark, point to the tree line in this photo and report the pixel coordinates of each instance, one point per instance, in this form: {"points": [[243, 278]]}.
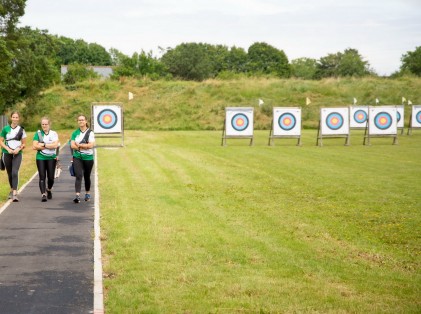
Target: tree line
{"points": [[30, 60]]}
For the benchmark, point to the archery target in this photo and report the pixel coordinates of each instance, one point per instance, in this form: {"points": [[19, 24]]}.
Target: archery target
{"points": [[358, 116], [382, 120], [416, 117], [239, 121], [335, 121], [400, 116], [286, 121], [107, 119]]}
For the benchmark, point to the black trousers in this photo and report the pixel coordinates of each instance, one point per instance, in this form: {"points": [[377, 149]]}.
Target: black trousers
{"points": [[83, 168], [12, 163], [46, 168]]}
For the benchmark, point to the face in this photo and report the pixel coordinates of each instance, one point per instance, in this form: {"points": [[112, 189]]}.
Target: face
{"points": [[81, 120], [45, 125], [15, 118]]}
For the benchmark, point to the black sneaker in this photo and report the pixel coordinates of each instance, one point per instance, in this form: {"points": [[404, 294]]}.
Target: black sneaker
{"points": [[49, 195], [76, 199], [44, 198], [87, 197]]}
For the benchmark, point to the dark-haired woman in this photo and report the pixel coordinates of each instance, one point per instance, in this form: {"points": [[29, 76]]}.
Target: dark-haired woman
{"points": [[45, 142], [82, 143], [12, 142]]}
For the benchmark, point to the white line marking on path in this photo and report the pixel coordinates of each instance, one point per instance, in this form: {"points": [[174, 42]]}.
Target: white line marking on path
{"points": [[98, 288]]}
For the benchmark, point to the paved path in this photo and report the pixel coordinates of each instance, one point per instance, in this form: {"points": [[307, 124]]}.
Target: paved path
{"points": [[47, 250]]}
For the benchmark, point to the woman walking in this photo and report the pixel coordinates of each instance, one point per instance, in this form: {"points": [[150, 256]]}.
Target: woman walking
{"points": [[45, 142], [82, 143], [12, 142]]}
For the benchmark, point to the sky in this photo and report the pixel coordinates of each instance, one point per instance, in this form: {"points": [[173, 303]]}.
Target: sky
{"points": [[381, 30]]}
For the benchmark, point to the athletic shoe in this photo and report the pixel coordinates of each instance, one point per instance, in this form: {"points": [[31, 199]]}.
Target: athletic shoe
{"points": [[76, 199], [87, 197], [15, 198], [44, 198], [49, 195], [10, 195]]}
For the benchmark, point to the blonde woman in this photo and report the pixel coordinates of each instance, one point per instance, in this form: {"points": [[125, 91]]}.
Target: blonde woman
{"points": [[45, 142], [12, 142], [82, 142]]}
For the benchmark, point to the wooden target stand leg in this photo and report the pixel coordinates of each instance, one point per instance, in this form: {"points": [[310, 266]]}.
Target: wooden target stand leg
{"points": [[224, 139], [319, 141], [410, 126], [366, 136]]}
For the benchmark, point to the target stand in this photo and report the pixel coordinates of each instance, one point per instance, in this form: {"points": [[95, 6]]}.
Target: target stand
{"points": [[414, 119], [238, 123], [107, 123], [382, 122], [333, 123], [286, 123]]}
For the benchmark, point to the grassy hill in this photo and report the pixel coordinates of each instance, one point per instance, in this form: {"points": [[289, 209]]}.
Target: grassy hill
{"points": [[181, 105]]}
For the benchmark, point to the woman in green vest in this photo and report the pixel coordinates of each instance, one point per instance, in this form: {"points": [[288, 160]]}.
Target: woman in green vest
{"points": [[12, 142], [82, 142]]}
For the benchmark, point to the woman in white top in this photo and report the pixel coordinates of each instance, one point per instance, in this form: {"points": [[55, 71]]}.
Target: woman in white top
{"points": [[46, 143]]}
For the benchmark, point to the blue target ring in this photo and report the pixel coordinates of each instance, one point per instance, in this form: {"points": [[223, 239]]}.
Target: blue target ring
{"points": [[240, 122], [287, 121], [360, 116], [383, 120], [334, 121], [418, 116], [398, 116], [107, 119]]}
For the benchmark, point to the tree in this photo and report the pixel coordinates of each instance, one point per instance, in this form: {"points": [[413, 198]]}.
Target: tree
{"points": [[266, 59], [236, 60], [10, 12], [305, 68], [189, 61], [33, 66], [411, 61], [78, 51], [78, 72], [348, 63]]}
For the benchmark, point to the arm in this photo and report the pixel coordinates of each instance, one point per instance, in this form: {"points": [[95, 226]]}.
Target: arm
{"points": [[3, 144]]}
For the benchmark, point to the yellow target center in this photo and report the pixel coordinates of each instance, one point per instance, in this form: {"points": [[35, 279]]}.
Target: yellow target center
{"points": [[240, 122], [383, 120], [287, 121], [107, 119], [335, 120]]}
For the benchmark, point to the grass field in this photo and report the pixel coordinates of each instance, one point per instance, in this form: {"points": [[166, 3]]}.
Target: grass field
{"points": [[192, 227]]}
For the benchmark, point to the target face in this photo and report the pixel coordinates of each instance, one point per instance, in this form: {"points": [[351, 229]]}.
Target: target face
{"points": [[286, 121], [383, 120], [335, 121], [416, 117], [239, 121], [400, 116], [107, 119], [358, 116]]}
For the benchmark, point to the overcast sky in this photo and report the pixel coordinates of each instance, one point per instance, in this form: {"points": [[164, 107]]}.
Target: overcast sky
{"points": [[381, 30]]}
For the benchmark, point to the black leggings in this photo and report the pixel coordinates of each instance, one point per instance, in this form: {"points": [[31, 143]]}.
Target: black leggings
{"points": [[82, 168], [46, 168], [12, 163]]}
